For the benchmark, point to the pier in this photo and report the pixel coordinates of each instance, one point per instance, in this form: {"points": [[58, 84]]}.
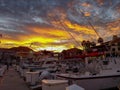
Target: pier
{"points": [[12, 81]]}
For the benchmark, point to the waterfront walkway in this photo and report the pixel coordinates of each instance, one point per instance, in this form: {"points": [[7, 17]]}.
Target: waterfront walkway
{"points": [[12, 81]]}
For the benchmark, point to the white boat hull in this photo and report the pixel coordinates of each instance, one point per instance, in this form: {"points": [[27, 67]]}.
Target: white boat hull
{"points": [[93, 83], [98, 83]]}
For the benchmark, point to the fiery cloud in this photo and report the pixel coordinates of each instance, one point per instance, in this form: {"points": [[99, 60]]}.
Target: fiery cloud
{"points": [[56, 24]]}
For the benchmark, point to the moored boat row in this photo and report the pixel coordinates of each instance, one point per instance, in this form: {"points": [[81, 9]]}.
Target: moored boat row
{"points": [[103, 72], [3, 68]]}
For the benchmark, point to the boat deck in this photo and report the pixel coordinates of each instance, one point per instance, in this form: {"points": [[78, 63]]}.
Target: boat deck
{"points": [[12, 81]]}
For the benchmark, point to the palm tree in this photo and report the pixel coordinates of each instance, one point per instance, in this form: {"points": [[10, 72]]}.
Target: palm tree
{"points": [[93, 44], [100, 40], [86, 45], [83, 43]]}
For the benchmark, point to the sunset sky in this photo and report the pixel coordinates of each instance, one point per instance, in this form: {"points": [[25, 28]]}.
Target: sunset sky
{"points": [[57, 24]]}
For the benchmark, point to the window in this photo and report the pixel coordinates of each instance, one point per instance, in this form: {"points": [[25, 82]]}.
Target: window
{"points": [[118, 48], [107, 44], [118, 43], [113, 49], [113, 44]]}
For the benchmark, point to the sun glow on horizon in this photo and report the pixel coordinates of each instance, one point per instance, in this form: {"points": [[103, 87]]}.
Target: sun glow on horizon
{"points": [[55, 49]]}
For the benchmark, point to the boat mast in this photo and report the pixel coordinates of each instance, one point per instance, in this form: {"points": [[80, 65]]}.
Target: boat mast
{"points": [[65, 29], [90, 24]]}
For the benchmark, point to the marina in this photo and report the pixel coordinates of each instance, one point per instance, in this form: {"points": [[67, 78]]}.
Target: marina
{"points": [[100, 67], [59, 44], [106, 79]]}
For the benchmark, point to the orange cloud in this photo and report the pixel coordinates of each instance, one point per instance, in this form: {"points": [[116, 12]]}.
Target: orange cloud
{"points": [[57, 13], [115, 28], [87, 14], [50, 32], [78, 28], [101, 2], [85, 4], [115, 25]]}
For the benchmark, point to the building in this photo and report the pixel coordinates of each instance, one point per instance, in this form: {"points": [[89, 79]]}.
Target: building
{"points": [[113, 46], [70, 54], [109, 48]]}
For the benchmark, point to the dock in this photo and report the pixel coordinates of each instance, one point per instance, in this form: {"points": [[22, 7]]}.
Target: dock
{"points": [[12, 81]]}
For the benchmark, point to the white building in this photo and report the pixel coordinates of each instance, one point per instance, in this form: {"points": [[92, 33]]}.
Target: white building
{"points": [[113, 46]]}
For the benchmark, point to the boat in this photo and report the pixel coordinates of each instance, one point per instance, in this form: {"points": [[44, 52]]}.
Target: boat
{"points": [[3, 68], [97, 69], [32, 72], [99, 74]]}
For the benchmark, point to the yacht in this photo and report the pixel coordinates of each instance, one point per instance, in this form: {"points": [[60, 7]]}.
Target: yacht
{"points": [[99, 74]]}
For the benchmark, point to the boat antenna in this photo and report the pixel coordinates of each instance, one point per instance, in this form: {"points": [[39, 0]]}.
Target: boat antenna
{"points": [[65, 29], [100, 39], [90, 24]]}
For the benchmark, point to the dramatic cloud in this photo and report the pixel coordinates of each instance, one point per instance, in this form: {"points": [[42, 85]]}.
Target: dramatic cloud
{"points": [[57, 24]]}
